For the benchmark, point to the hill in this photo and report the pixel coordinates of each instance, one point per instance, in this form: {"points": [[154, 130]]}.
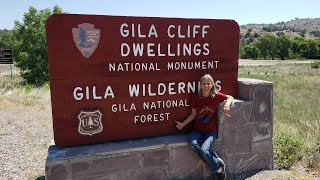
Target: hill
{"points": [[2, 31], [306, 27]]}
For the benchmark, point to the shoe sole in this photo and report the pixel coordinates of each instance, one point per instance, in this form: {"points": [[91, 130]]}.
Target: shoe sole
{"points": [[223, 165], [220, 161]]}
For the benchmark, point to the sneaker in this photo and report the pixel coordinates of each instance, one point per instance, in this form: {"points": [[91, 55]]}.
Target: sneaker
{"points": [[222, 175]]}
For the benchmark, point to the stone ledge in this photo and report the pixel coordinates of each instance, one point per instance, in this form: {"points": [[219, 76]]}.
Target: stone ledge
{"points": [[62, 153], [254, 82], [163, 157]]}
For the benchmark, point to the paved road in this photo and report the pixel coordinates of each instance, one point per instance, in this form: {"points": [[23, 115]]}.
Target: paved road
{"points": [[5, 69], [246, 62]]}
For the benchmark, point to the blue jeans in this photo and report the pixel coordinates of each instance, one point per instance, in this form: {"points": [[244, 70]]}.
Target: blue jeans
{"points": [[204, 150]]}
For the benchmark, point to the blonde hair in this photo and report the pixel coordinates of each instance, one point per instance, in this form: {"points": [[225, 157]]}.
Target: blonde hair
{"points": [[213, 90]]}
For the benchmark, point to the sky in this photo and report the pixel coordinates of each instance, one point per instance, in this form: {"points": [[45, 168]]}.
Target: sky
{"points": [[242, 11]]}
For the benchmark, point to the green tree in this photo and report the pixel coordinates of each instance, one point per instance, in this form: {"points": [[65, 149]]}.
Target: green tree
{"points": [[283, 46], [248, 33], [6, 40], [309, 49], [295, 46], [267, 46], [256, 35], [242, 41], [30, 45], [250, 52], [318, 44], [280, 33]]}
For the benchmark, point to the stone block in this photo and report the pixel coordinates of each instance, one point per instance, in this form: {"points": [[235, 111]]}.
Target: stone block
{"points": [[238, 163], [185, 163], [54, 153], [246, 110], [101, 177], [240, 113], [262, 147], [58, 171], [155, 158], [158, 173], [246, 86], [79, 169], [115, 163], [262, 104], [244, 91], [81, 151], [261, 94], [238, 140], [262, 132]]}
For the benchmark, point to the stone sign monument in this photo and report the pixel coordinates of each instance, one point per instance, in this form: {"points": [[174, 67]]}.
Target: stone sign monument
{"points": [[130, 78]]}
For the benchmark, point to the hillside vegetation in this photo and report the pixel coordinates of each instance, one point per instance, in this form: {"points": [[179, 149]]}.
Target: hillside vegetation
{"points": [[307, 27], [295, 39], [3, 31]]}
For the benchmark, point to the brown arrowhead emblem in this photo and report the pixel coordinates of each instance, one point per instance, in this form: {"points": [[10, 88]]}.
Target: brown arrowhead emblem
{"points": [[86, 38]]}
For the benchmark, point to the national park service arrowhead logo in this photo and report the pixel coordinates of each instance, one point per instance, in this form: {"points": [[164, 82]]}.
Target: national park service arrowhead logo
{"points": [[90, 122], [86, 38]]}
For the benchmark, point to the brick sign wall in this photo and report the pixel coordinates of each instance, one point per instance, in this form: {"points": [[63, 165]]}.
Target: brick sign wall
{"points": [[115, 78]]}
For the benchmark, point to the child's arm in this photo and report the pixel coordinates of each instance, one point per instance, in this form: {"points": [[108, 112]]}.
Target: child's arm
{"points": [[226, 107], [191, 116]]}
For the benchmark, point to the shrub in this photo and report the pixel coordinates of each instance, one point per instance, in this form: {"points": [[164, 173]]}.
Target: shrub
{"points": [[312, 157], [315, 64], [315, 33], [287, 150]]}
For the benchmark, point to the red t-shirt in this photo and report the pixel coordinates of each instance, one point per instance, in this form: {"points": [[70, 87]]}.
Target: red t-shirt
{"points": [[206, 107]]}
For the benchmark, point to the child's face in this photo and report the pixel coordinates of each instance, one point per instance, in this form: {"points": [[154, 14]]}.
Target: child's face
{"points": [[206, 85]]}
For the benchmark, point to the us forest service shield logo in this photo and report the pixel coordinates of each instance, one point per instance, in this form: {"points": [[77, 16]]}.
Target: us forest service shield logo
{"points": [[90, 122], [86, 38]]}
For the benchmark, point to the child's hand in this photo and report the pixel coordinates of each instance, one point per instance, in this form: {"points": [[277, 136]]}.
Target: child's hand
{"points": [[179, 125]]}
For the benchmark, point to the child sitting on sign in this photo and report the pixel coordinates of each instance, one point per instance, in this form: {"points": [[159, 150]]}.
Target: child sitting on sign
{"points": [[204, 110]]}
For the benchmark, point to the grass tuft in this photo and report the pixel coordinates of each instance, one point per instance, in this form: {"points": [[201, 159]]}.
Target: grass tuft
{"points": [[15, 91]]}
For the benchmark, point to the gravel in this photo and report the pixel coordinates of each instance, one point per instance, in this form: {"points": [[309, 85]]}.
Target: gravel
{"points": [[25, 133]]}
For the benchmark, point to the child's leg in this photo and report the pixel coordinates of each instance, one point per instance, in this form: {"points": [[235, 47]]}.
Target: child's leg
{"points": [[214, 154], [206, 153], [193, 140]]}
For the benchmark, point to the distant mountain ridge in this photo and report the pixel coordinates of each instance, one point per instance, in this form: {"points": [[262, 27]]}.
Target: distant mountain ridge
{"points": [[306, 27], [2, 31]]}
